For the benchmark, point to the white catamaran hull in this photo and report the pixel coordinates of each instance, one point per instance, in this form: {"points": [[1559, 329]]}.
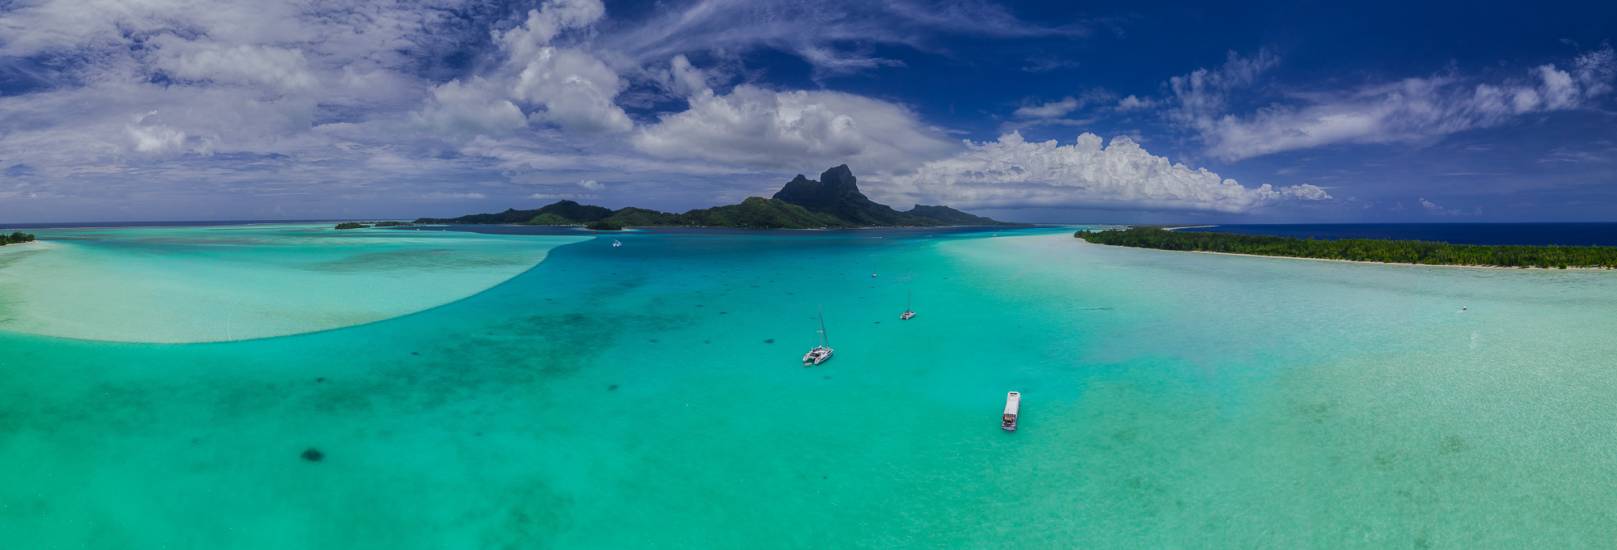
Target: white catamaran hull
{"points": [[817, 355]]}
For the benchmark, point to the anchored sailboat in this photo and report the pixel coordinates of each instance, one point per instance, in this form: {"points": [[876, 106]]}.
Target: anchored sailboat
{"points": [[822, 352], [908, 312]]}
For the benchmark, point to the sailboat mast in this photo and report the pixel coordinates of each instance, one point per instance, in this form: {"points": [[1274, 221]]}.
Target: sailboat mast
{"points": [[825, 339]]}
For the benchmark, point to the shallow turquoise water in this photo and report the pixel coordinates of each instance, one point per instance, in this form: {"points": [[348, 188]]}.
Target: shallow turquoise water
{"points": [[633, 398], [218, 283]]}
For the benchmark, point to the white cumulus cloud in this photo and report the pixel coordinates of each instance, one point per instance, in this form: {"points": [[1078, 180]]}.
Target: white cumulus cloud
{"points": [[470, 108], [574, 90], [761, 127], [154, 138], [544, 24], [1013, 172], [686, 79], [559, 86]]}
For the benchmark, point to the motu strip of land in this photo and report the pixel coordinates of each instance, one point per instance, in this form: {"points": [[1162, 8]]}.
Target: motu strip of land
{"points": [[1361, 250]]}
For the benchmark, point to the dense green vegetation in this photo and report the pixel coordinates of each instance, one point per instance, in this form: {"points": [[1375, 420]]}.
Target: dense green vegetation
{"points": [[557, 213], [950, 216], [834, 201], [640, 217], [760, 213], [1361, 250], [16, 238], [509, 216], [604, 225], [362, 225]]}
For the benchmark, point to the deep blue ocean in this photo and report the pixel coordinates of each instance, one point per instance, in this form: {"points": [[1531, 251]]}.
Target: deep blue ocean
{"points": [[1570, 234]]}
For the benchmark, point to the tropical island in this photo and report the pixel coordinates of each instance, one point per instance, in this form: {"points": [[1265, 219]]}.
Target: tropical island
{"points": [[16, 238], [362, 225], [1361, 250], [833, 201]]}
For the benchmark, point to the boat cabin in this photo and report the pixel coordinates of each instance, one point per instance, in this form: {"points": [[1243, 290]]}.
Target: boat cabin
{"points": [[1013, 403], [817, 355]]}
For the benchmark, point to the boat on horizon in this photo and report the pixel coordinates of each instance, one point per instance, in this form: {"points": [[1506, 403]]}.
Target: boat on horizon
{"points": [[822, 352], [617, 243], [1013, 405]]}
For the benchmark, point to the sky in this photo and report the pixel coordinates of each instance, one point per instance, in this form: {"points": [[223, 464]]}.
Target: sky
{"points": [[1279, 112]]}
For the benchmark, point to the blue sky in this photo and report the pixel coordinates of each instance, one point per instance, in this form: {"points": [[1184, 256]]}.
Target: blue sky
{"points": [[1266, 112]]}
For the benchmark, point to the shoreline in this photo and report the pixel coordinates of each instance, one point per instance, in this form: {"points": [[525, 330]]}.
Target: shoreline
{"points": [[648, 227], [1361, 262]]}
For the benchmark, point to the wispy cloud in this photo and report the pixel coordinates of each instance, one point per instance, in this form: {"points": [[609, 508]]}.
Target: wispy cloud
{"points": [[1135, 103], [1052, 109], [450, 195], [1436, 209], [827, 33], [1411, 110], [1061, 112], [1049, 64]]}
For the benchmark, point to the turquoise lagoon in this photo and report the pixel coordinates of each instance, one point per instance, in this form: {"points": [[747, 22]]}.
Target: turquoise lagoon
{"points": [[198, 284], [651, 396]]}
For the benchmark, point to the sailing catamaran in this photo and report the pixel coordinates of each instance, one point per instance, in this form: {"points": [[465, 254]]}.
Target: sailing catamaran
{"points": [[822, 352], [908, 312]]}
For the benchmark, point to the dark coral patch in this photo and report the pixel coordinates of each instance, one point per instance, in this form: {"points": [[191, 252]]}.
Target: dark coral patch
{"points": [[312, 454]]}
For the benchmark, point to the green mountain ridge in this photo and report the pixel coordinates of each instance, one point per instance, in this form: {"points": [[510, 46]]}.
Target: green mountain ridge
{"points": [[832, 201]]}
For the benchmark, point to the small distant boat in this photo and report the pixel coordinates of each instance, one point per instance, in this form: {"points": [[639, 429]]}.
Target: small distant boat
{"points": [[872, 275], [821, 353], [908, 312], [617, 243], [1013, 403]]}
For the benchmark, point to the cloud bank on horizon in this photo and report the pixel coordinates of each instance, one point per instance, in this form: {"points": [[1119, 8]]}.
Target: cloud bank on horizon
{"points": [[132, 109]]}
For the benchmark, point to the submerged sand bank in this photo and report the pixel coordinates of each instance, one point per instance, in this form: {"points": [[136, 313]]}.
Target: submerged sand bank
{"points": [[207, 284]]}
